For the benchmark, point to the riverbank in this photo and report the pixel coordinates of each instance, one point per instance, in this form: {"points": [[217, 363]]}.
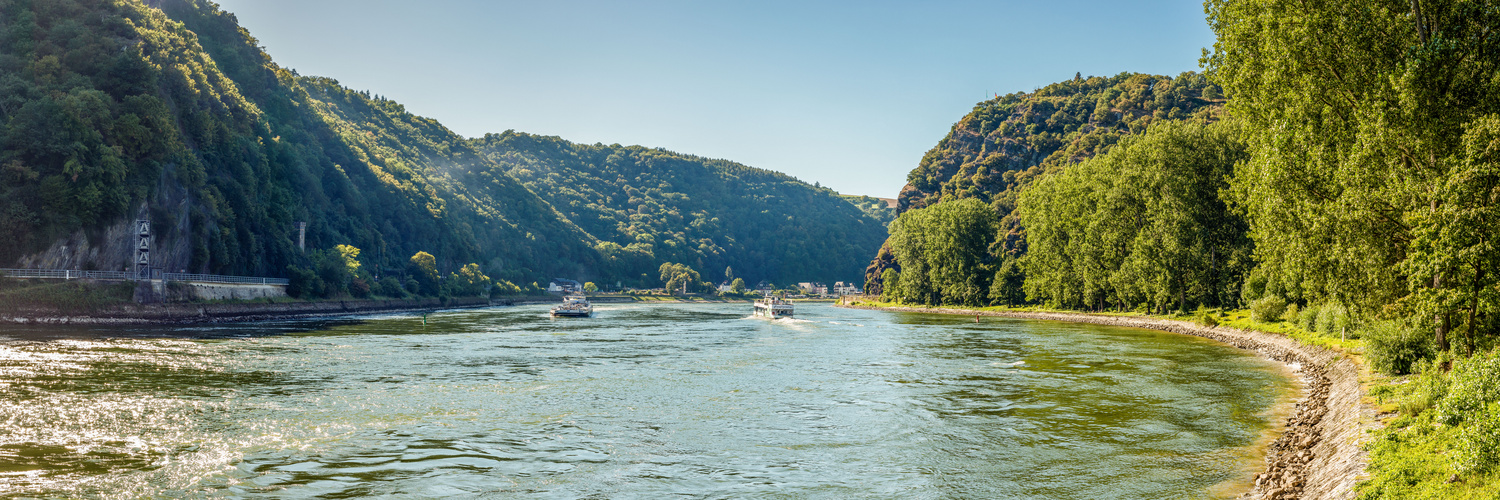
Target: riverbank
{"points": [[187, 312], [1320, 454]]}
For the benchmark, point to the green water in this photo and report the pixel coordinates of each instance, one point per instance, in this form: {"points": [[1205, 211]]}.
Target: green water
{"points": [[642, 401]]}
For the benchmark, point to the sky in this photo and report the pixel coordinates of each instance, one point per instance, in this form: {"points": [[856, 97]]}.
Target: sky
{"points": [[846, 94]]}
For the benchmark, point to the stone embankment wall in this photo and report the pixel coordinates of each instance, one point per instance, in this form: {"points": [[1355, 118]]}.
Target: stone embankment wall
{"points": [[243, 311], [1320, 455], [219, 291]]}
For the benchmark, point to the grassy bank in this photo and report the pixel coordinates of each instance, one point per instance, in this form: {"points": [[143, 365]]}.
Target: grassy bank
{"points": [[75, 295], [1419, 452]]}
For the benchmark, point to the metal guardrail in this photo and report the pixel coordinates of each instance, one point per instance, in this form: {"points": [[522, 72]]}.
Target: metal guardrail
{"points": [[66, 274], [215, 278], [69, 274]]}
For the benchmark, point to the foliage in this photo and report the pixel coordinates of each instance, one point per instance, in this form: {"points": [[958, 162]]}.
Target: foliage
{"points": [[170, 111], [1375, 141], [943, 251], [1140, 224], [873, 207], [1395, 346], [1008, 287], [1475, 385], [1206, 316], [737, 286], [1268, 308], [469, 281], [677, 277], [590, 287], [647, 206], [1006, 143], [422, 267]]}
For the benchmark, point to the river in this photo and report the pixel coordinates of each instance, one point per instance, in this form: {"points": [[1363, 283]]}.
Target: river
{"points": [[641, 401]]}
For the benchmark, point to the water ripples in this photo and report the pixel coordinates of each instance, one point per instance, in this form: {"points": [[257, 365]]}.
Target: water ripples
{"points": [[641, 401]]}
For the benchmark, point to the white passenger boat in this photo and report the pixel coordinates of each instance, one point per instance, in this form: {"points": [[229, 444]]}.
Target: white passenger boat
{"points": [[574, 306], [773, 307]]}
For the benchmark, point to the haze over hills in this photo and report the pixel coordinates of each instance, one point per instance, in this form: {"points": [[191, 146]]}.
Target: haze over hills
{"points": [[169, 110]]}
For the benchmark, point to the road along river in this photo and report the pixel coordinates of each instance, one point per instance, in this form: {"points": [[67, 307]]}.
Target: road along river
{"points": [[641, 401]]}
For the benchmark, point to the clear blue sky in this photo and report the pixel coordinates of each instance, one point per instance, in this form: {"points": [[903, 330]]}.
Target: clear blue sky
{"points": [[849, 94]]}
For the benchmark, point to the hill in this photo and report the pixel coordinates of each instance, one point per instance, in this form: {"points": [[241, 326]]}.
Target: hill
{"points": [[169, 111], [1005, 143], [648, 206]]}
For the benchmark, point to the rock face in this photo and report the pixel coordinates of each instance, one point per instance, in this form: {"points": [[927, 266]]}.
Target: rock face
{"points": [[1320, 455]]}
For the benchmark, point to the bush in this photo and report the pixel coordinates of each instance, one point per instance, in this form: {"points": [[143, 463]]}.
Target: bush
{"points": [[1290, 315], [389, 286], [1267, 309], [359, 288], [1308, 318], [1395, 347], [1426, 390], [1207, 317], [1332, 320], [1473, 401], [1478, 447], [1475, 384]]}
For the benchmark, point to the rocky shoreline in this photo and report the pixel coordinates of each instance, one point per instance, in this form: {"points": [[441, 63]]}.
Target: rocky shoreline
{"points": [[1320, 454]]}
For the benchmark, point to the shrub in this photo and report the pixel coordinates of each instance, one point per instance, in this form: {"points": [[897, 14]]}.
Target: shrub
{"points": [[1478, 447], [1332, 320], [389, 286], [1426, 390], [1475, 385], [1395, 347], [1308, 318], [359, 288], [1290, 315], [1207, 317], [1267, 309]]}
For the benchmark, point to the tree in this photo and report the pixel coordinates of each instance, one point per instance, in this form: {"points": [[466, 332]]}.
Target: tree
{"points": [[737, 286], [677, 277], [1370, 181], [729, 272], [423, 268], [1143, 224], [469, 281], [590, 287], [943, 251]]}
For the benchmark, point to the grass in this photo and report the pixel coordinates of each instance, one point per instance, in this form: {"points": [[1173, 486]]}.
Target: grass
{"points": [[1409, 457], [76, 295]]}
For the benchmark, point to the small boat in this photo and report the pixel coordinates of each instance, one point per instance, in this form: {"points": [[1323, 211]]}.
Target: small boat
{"points": [[574, 306], [773, 307]]}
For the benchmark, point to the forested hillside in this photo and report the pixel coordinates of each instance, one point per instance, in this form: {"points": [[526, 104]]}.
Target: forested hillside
{"points": [[113, 110], [648, 206], [1005, 143]]}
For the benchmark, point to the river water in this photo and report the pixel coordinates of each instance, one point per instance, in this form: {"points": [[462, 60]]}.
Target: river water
{"points": [[641, 401]]}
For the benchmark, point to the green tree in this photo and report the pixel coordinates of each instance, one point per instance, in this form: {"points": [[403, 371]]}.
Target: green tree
{"points": [[469, 281], [943, 251], [1140, 225], [737, 286], [350, 257], [1371, 129], [423, 268], [590, 287], [677, 277]]}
